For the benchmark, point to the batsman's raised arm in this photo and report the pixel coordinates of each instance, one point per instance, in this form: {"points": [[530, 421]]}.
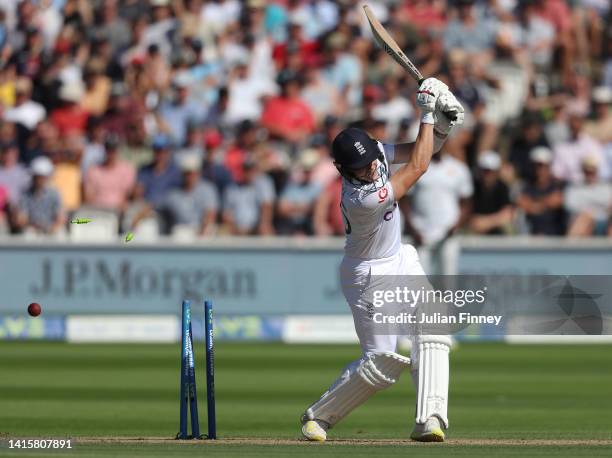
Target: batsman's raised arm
{"points": [[417, 156]]}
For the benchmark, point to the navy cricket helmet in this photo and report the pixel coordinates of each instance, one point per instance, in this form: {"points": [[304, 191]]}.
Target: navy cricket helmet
{"points": [[353, 149]]}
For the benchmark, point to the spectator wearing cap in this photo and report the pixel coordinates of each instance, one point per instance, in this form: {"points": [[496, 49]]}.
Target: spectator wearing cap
{"points": [[287, 117], [14, 177], [297, 201], [589, 203], [26, 112], [248, 204], [600, 128], [492, 210], [70, 116], [39, 209], [109, 185], [158, 178], [567, 163], [195, 203], [180, 110], [541, 198]]}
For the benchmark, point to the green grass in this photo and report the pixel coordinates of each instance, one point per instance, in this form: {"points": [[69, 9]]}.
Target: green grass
{"points": [[497, 392]]}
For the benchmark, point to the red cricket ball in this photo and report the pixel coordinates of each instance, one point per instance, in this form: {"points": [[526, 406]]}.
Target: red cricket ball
{"points": [[34, 309]]}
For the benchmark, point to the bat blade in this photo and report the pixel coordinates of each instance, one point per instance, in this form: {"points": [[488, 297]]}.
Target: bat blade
{"points": [[390, 46]]}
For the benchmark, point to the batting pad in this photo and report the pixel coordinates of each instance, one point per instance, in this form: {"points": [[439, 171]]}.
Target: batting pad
{"points": [[360, 380], [432, 377]]}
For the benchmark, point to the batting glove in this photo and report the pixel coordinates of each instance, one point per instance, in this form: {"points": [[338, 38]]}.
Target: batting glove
{"points": [[427, 97], [449, 112]]}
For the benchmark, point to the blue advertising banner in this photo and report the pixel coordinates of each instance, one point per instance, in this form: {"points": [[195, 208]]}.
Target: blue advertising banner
{"points": [[249, 277], [153, 279]]}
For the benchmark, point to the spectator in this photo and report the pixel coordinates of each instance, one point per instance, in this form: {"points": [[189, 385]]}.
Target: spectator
{"points": [[321, 96], [67, 176], [492, 210], [195, 203], [26, 112], [439, 202], [600, 128], [213, 169], [109, 185], [324, 170], [537, 35], [246, 93], [180, 110], [297, 202], [470, 32], [589, 203], [70, 117], [161, 176], [39, 209], [13, 176], [97, 88], [246, 140], [111, 26], [394, 108], [327, 217], [287, 117], [249, 203], [568, 156], [531, 135], [541, 198]]}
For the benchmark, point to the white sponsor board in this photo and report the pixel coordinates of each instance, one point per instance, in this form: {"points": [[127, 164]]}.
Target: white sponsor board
{"points": [[319, 329], [122, 328]]}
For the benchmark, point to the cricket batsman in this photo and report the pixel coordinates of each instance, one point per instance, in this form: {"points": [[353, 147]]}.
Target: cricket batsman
{"points": [[373, 247]]}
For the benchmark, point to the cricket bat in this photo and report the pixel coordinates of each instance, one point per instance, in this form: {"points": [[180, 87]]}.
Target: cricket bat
{"points": [[390, 46]]}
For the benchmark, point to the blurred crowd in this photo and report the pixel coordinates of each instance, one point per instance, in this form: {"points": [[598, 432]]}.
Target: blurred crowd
{"points": [[208, 117]]}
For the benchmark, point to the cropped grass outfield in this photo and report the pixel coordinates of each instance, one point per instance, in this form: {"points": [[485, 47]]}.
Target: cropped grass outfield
{"points": [[508, 394]]}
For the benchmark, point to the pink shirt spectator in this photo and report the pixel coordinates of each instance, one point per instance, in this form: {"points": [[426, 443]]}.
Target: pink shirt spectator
{"points": [[109, 187], [569, 155]]}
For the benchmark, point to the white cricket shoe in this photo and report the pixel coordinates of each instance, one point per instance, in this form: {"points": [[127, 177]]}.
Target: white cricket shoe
{"points": [[430, 431], [315, 430]]}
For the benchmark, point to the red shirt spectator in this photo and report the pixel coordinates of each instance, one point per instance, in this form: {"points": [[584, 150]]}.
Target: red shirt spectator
{"points": [[425, 14], [288, 116], [70, 118]]}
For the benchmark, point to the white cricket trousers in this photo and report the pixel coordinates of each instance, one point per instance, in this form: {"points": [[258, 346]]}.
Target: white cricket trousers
{"points": [[355, 277]]}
